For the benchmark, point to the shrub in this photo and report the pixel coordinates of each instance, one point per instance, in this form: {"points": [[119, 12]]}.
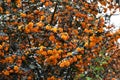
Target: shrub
{"points": [[55, 40]]}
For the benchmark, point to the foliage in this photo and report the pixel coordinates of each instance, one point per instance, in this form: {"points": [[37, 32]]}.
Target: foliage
{"points": [[55, 40]]}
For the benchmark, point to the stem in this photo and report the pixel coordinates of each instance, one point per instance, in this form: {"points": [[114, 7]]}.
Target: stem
{"points": [[53, 13]]}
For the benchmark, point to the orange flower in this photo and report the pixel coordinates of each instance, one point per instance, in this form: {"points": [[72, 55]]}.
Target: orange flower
{"points": [[54, 30], [1, 53], [16, 68], [27, 30], [101, 29], [74, 59], [105, 10], [11, 71], [8, 1], [1, 46], [86, 44], [14, 56], [23, 57], [86, 5], [29, 78], [18, 1], [5, 37], [103, 3], [10, 59], [23, 15], [42, 17], [71, 60], [78, 14], [82, 70], [39, 51], [65, 45], [15, 10], [69, 7], [6, 48], [62, 65], [1, 10], [90, 18], [60, 29], [64, 36], [83, 24], [109, 1], [6, 72], [48, 27], [52, 38], [7, 12], [93, 38], [49, 51], [79, 56], [51, 78], [44, 53], [36, 29], [69, 54], [30, 25], [40, 24], [47, 4], [36, 11], [32, 1], [42, 0], [51, 60], [114, 79], [87, 31], [75, 31], [78, 65], [92, 44], [100, 38], [60, 51], [89, 59], [65, 63], [58, 45], [79, 49]]}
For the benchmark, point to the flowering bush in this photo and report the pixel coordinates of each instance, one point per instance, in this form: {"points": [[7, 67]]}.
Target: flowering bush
{"points": [[55, 40]]}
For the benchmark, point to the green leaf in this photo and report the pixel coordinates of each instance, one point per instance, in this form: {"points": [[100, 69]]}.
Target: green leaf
{"points": [[99, 68], [97, 76], [102, 63], [88, 78], [107, 57], [82, 75]]}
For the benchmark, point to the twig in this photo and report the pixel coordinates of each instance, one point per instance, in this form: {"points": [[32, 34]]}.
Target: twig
{"points": [[53, 14]]}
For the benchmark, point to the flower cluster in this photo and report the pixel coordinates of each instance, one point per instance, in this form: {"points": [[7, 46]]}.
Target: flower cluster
{"points": [[54, 40]]}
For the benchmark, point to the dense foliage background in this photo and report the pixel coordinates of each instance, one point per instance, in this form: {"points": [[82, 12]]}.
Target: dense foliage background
{"points": [[58, 40]]}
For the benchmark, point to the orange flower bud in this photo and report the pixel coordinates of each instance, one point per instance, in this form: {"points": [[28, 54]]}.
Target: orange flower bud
{"points": [[16, 68]]}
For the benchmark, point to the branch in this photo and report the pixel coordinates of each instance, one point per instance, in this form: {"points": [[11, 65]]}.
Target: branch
{"points": [[53, 13]]}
